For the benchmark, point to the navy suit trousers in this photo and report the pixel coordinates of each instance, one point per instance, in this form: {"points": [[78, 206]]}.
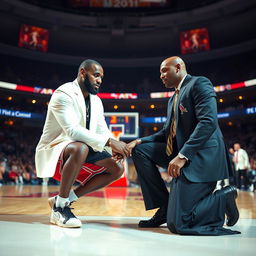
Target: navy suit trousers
{"points": [[193, 208]]}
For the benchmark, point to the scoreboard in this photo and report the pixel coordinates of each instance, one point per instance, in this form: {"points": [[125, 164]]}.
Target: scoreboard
{"points": [[123, 125], [118, 3]]}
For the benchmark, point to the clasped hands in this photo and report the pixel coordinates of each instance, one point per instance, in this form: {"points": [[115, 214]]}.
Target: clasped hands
{"points": [[121, 150]]}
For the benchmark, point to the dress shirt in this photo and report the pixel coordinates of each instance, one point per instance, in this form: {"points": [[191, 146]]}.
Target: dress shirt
{"points": [[241, 160]]}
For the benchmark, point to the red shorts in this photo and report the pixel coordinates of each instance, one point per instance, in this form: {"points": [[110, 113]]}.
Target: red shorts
{"points": [[87, 171]]}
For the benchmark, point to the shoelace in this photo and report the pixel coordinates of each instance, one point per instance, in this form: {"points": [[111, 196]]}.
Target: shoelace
{"points": [[67, 211]]}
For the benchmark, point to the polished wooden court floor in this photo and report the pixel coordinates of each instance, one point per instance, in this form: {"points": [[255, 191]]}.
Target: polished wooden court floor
{"points": [[110, 219], [110, 201]]}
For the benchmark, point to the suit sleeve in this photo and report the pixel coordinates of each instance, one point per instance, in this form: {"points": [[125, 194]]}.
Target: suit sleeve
{"points": [[157, 137], [61, 105], [204, 99]]}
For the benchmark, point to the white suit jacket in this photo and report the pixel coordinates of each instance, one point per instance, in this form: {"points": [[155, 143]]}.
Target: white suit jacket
{"points": [[65, 123]]}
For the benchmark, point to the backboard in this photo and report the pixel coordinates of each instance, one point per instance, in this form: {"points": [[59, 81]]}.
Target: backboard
{"points": [[123, 125]]}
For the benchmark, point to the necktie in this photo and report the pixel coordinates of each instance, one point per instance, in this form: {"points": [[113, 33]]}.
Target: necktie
{"points": [[172, 133], [236, 160]]}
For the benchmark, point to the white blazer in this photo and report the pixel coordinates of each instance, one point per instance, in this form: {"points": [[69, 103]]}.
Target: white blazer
{"points": [[65, 122]]}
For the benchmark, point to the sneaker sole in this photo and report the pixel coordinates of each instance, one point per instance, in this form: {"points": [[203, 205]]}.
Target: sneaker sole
{"points": [[52, 221], [64, 225]]}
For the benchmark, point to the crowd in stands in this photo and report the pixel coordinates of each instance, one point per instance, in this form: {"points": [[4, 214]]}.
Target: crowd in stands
{"points": [[17, 149], [243, 133]]}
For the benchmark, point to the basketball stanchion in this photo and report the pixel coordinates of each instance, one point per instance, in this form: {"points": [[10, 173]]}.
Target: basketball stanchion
{"points": [[123, 181]]}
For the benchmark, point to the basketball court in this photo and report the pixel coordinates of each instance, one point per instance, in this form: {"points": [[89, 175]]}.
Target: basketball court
{"points": [[110, 217]]}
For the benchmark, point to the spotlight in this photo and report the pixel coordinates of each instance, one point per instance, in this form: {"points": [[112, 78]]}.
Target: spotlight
{"points": [[33, 101], [9, 122], [152, 106], [116, 107]]}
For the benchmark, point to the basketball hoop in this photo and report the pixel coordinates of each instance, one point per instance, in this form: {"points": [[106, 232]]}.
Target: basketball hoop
{"points": [[117, 134], [117, 130]]}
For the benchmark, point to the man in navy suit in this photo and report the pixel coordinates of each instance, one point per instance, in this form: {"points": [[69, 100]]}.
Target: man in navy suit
{"points": [[191, 146]]}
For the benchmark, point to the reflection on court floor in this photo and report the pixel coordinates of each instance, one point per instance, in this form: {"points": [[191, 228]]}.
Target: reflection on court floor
{"points": [[110, 217]]}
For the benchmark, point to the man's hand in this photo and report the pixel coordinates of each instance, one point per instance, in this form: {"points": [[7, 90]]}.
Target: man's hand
{"points": [[118, 157], [175, 165], [132, 144], [119, 147]]}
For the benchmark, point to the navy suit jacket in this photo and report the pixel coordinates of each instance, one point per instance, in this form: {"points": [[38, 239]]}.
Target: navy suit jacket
{"points": [[198, 134]]}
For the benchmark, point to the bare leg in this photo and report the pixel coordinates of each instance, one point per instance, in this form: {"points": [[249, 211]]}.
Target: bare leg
{"points": [[74, 156], [114, 171]]}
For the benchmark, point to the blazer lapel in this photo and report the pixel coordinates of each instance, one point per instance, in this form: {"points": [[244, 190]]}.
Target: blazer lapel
{"points": [[169, 113], [80, 100], [183, 86], [181, 92], [93, 112]]}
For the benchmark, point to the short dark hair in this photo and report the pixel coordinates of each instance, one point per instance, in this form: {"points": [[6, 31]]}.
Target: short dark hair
{"points": [[87, 64]]}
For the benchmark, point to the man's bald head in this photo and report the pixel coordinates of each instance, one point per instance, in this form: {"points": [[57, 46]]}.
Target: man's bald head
{"points": [[172, 70], [173, 61]]}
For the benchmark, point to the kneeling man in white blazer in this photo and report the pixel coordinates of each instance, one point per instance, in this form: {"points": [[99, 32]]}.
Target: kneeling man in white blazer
{"points": [[75, 132]]}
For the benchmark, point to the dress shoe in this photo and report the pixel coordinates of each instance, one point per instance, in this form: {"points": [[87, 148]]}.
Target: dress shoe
{"points": [[231, 208], [158, 219]]}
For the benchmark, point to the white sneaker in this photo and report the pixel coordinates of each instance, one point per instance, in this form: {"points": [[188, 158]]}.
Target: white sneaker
{"points": [[63, 217], [52, 201]]}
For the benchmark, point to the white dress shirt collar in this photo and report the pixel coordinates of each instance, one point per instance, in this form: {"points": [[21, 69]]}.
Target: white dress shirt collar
{"points": [[182, 80]]}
